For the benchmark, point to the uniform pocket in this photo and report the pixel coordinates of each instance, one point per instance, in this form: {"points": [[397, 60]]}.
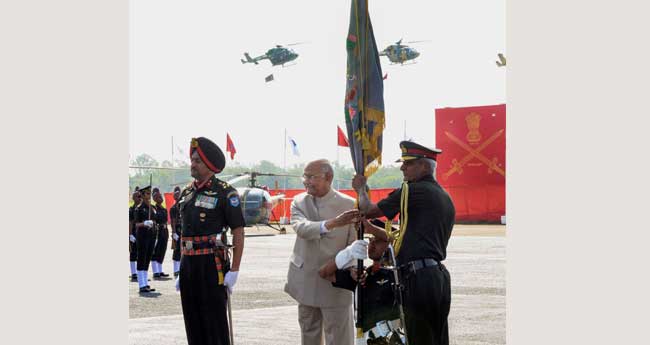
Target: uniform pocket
{"points": [[296, 261]]}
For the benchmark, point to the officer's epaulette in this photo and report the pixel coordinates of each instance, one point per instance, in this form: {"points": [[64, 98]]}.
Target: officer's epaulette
{"points": [[224, 184], [186, 190]]}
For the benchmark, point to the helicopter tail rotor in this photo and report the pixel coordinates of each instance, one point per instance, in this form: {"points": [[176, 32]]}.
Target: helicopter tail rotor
{"points": [[249, 59]]}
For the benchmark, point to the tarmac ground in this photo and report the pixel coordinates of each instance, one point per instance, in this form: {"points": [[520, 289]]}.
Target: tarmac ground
{"points": [[263, 314]]}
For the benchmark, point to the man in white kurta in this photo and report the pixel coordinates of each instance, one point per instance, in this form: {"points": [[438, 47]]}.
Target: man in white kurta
{"points": [[323, 220]]}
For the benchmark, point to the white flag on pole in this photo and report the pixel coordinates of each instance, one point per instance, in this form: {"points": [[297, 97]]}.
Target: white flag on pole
{"points": [[294, 146]]}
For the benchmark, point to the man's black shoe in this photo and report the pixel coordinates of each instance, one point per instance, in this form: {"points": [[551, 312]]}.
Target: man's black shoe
{"points": [[156, 275], [146, 289], [134, 277], [163, 274]]}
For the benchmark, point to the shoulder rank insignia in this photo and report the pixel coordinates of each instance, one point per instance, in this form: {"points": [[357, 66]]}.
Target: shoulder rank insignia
{"points": [[224, 184]]}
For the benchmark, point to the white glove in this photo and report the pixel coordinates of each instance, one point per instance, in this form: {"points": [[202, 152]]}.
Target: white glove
{"points": [[178, 284], [132, 238], [148, 223], [230, 279], [175, 236], [358, 250]]}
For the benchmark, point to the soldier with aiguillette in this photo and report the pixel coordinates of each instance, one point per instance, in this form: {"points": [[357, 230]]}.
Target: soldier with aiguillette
{"points": [[205, 281], [426, 220]]}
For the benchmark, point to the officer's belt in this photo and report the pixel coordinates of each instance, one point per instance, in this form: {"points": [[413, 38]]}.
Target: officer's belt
{"points": [[415, 265], [200, 245]]}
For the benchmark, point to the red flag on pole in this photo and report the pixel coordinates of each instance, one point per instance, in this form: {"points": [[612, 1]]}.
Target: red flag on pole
{"points": [[230, 147], [342, 140]]}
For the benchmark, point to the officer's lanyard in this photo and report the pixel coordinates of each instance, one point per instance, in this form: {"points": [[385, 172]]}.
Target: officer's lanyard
{"points": [[404, 216]]}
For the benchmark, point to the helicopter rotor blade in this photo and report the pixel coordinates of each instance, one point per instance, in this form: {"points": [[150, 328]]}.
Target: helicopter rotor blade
{"points": [[239, 178], [298, 43], [419, 41]]}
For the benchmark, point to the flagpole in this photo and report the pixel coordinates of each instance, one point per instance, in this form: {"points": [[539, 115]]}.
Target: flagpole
{"points": [[173, 173], [338, 164], [285, 159], [284, 154]]}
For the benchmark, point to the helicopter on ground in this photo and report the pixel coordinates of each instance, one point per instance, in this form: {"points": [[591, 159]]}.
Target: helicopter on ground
{"points": [[256, 200], [278, 55], [399, 53]]}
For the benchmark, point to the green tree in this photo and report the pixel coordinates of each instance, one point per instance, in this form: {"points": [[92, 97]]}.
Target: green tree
{"points": [[385, 177]]}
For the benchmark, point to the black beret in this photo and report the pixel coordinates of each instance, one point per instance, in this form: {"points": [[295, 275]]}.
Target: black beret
{"points": [[145, 189], [411, 150], [209, 152]]}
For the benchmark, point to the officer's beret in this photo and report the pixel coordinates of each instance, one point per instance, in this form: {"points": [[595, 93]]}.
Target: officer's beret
{"points": [[145, 189], [209, 152], [411, 150]]}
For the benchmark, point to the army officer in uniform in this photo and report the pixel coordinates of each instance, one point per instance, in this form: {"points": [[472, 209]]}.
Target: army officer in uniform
{"points": [[205, 281], [426, 220]]}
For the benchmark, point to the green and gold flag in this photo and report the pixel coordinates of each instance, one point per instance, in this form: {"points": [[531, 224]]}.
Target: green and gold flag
{"points": [[364, 94]]}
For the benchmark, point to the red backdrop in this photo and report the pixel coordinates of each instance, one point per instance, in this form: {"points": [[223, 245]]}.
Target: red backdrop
{"points": [[473, 160], [284, 207]]}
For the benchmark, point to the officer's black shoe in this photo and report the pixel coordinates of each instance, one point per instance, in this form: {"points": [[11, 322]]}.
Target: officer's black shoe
{"points": [[146, 289], [163, 275], [134, 277], [156, 275]]}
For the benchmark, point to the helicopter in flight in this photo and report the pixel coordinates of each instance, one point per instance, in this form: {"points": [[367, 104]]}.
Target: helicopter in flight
{"points": [[502, 60], [399, 53], [278, 55]]}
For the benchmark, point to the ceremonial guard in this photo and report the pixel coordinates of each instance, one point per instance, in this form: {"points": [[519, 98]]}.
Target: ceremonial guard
{"points": [[206, 280], [162, 236], [145, 237], [381, 311], [133, 252], [426, 220], [175, 218]]}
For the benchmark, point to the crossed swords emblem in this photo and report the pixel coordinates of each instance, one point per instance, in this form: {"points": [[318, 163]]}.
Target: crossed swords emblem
{"points": [[457, 166]]}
